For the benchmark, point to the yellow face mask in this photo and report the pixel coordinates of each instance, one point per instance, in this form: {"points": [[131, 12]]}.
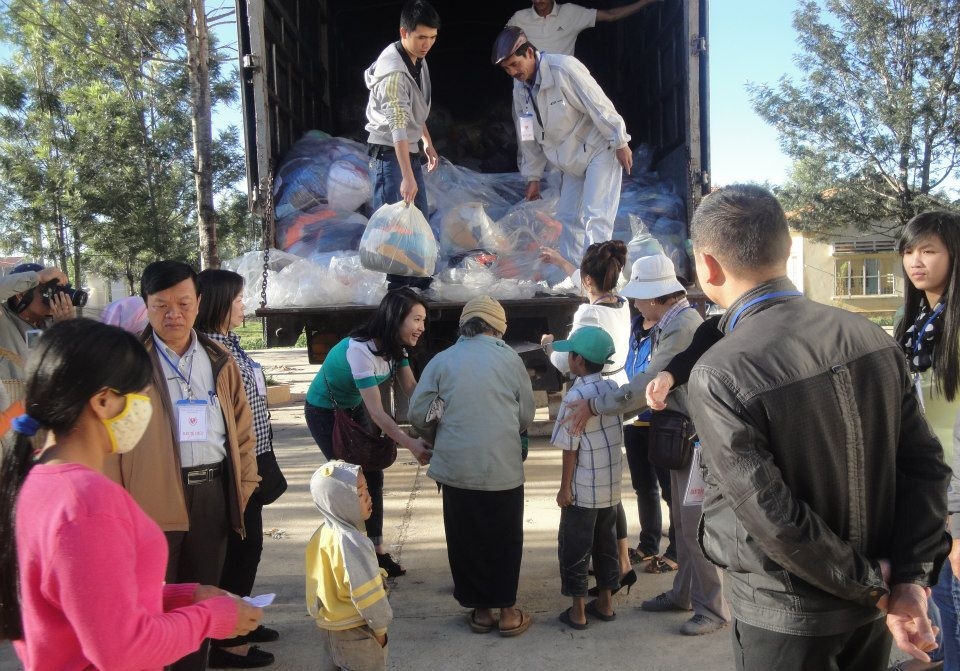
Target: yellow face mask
{"points": [[127, 428]]}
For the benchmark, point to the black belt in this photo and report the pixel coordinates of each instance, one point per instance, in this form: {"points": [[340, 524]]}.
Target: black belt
{"points": [[378, 151], [199, 475]]}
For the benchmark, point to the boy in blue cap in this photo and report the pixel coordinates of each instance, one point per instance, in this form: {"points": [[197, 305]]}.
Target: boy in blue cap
{"points": [[590, 484]]}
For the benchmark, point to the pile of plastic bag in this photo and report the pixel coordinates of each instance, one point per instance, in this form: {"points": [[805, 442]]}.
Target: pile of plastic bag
{"points": [[318, 187], [479, 235], [336, 279]]}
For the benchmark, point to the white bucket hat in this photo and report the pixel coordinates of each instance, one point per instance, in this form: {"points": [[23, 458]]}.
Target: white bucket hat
{"points": [[652, 277]]}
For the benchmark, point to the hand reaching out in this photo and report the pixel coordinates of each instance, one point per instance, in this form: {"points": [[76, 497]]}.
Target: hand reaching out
{"points": [[533, 190], [578, 414], [421, 449], [248, 617]]}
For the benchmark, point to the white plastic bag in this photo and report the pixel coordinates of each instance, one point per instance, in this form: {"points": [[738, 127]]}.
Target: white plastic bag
{"points": [[348, 185], [398, 240]]}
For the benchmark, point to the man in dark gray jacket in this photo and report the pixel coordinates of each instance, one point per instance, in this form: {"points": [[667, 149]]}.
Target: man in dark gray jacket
{"points": [[826, 490]]}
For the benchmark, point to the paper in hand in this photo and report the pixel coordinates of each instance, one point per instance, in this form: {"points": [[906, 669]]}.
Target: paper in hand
{"points": [[261, 600]]}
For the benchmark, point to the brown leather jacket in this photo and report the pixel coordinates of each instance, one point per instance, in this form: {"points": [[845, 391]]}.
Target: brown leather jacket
{"points": [[151, 471]]}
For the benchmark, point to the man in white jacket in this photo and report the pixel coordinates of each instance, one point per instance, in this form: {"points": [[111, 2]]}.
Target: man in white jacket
{"points": [[564, 118]]}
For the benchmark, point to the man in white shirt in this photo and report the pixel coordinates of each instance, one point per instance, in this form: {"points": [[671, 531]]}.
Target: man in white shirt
{"points": [[553, 27], [194, 469]]}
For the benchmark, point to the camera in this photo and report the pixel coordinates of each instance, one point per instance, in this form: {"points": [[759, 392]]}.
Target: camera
{"points": [[77, 296]]}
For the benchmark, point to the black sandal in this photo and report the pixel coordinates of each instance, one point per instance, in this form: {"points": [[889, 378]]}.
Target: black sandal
{"points": [[393, 569]]}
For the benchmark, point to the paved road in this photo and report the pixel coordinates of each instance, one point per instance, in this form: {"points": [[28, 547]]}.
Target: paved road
{"points": [[429, 629]]}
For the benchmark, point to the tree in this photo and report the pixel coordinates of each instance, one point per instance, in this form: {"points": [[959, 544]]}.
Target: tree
{"points": [[874, 124], [117, 195], [42, 203], [238, 230], [160, 36]]}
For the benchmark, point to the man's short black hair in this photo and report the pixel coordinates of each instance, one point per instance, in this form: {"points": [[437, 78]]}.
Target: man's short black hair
{"points": [[743, 226], [161, 275], [418, 13]]}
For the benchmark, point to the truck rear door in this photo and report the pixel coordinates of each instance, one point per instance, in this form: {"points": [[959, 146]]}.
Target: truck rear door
{"points": [[285, 83]]}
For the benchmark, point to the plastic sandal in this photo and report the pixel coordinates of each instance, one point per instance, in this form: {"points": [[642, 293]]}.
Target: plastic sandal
{"points": [[479, 627]]}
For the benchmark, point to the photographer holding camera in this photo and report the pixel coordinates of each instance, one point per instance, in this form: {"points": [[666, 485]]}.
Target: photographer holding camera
{"points": [[33, 298]]}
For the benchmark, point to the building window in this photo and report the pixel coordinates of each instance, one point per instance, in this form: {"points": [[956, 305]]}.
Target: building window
{"points": [[868, 275]]}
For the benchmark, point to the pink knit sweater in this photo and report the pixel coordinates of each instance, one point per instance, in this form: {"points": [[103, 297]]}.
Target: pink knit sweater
{"points": [[91, 580]]}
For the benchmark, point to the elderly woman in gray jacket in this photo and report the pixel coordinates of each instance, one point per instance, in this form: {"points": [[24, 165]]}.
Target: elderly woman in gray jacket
{"points": [[472, 402]]}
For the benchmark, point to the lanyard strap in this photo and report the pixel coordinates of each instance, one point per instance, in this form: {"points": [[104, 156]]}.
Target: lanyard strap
{"points": [[760, 299], [681, 305], [620, 299], [533, 101], [186, 380]]}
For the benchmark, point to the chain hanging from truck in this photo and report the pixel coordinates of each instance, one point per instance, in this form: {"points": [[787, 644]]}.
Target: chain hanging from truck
{"points": [[269, 226]]}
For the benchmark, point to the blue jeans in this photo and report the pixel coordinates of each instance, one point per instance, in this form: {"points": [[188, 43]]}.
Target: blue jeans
{"points": [[320, 422], [386, 189], [946, 594]]}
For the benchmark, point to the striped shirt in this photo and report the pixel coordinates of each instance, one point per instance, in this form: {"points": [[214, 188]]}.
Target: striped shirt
{"points": [[596, 479]]}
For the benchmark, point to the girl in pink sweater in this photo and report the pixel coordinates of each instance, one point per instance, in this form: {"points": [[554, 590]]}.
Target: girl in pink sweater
{"points": [[89, 563]]}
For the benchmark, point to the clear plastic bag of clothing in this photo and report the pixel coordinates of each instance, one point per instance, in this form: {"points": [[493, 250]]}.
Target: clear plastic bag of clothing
{"points": [[398, 240], [467, 226]]}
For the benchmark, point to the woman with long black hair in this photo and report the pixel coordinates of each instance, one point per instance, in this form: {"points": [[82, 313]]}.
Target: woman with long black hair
{"points": [[929, 334], [221, 311], [81, 565], [350, 378]]}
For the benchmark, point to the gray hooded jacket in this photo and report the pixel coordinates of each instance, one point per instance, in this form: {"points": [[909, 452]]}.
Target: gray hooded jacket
{"points": [[344, 583], [397, 108]]}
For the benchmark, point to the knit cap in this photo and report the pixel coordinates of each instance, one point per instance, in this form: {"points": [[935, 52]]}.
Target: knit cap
{"points": [[488, 310]]}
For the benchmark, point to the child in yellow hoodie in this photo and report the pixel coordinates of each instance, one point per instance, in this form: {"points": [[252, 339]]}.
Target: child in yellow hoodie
{"points": [[345, 591]]}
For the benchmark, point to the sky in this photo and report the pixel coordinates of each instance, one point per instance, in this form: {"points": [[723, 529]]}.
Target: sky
{"points": [[749, 41]]}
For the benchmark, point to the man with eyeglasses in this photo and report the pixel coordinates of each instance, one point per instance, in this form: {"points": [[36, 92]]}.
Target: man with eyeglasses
{"points": [[194, 469]]}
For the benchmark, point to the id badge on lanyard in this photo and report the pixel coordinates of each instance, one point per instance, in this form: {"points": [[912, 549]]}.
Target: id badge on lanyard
{"points": [[526, 128], [192, 420], [918, 387], [259, 379]]}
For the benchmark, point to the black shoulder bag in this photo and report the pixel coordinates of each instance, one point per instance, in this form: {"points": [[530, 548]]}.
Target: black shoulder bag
{"points": [[672, 438]]}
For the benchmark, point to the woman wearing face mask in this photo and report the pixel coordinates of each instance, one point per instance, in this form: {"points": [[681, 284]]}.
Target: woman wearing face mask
{"points": [[350, 378], [88, 561]]}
